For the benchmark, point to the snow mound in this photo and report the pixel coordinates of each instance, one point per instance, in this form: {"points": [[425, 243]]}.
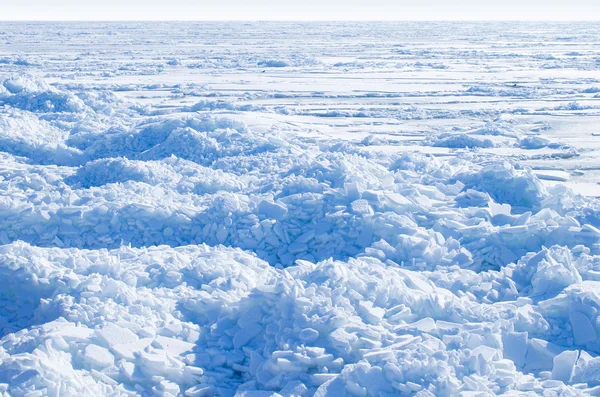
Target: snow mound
{"points": [[23, 134], [497, 128], [33, 94], [201, 140], [273, 63], [177, 174], [507, 185], [533, 142], [456, 141]]}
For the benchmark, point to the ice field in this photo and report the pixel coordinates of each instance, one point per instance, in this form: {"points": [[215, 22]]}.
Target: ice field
{"points": [[299, 209]]}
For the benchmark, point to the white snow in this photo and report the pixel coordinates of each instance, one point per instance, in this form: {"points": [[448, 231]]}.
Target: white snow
{"points": [[332, 209]]}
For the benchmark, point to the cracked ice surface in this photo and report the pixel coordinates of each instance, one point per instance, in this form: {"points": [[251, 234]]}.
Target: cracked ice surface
{"points": [[327, 209]]}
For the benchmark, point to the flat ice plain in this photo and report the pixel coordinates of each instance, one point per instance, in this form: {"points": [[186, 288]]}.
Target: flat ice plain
{"points": [[286, 209]]}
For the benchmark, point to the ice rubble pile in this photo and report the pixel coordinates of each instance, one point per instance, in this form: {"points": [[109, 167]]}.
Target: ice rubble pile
{"points": [[205, 321], [187, 254]]}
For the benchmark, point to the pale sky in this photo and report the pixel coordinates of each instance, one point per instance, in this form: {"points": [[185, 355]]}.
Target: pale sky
{"points": [[199, 10]]}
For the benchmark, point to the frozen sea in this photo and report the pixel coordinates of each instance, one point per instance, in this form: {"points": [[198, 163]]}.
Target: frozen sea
{"points": [[299, 209]]}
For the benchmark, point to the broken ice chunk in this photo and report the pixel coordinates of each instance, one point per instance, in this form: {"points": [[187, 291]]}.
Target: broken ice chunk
{"points": [[174, 347], [245, 335], [169, 388], [371, 314], [540, 355], [361, 207], [111, 334], [499, 209], [294, 389], [297, 247], [222, 234], [591, 370], [341, 338], [426, 324], [352, 191], [308, 335], [272, 210], [564, 364], [332, 387], [129, 350], [98, 357], [583, 330], [515, 347], [306, 237]]}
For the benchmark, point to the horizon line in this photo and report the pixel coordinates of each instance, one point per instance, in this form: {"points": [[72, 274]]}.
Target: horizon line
{"points": [[300, 20]]}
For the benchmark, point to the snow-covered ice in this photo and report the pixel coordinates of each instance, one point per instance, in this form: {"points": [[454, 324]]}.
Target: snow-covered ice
{"points": [[293, 209]]}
